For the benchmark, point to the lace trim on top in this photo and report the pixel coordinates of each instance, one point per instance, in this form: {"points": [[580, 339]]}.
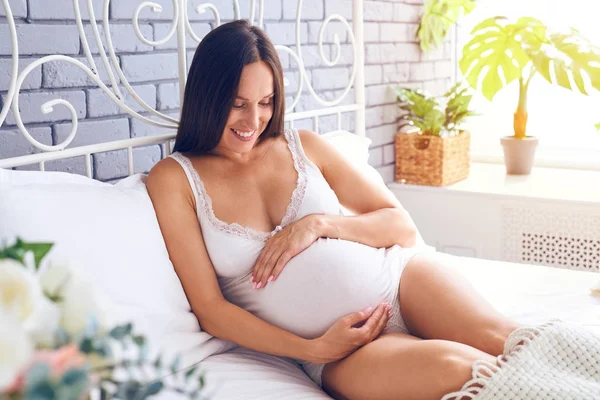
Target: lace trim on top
{"points": [[205, 202]]}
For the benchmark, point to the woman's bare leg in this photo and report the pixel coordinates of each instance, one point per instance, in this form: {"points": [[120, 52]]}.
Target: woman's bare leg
{"points": [[437, 302], [400, 366]]}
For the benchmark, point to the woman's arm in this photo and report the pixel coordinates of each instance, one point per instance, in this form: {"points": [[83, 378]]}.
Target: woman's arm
{"points": [[380, 219], [381, 228], [174, 204]]}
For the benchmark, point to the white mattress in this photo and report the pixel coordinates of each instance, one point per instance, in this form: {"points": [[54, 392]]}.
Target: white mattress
{"points": [[528, 293]]}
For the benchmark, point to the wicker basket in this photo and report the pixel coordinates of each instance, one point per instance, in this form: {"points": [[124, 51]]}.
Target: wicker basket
{"points": [[432, 160]]}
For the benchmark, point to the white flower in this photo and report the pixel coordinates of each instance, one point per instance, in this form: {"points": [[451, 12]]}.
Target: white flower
{"points": [[17, 289], [75, 297], [21, 296], [15, 349]]}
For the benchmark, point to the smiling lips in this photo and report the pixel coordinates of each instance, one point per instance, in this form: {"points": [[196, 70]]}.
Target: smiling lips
{"points": [[245, 136]]}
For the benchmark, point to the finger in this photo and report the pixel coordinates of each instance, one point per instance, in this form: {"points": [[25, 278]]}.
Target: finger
{"points": [[382, 323], [281, 263], [258, 263], [264, 257], [267, 267], [368, 327], [357, 317]]}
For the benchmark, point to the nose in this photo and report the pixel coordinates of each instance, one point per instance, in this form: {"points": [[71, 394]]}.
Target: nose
{"points": [[253, 117]]}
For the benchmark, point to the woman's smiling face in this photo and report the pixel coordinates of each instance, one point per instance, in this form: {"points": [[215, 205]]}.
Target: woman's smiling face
{"points": [[252, 109]]}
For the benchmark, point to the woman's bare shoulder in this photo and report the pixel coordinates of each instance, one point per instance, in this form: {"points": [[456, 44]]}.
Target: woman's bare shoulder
{"points": [[166, 178]]}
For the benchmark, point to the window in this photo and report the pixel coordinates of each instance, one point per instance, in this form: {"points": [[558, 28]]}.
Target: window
{"points": [[564, 121]]}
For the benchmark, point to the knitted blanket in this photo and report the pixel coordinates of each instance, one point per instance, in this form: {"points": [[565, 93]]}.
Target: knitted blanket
{"points": [[553, 361]]}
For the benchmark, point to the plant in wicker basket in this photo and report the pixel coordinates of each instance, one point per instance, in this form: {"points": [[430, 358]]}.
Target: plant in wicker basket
{"points": [[426, 112], [431, 149]]}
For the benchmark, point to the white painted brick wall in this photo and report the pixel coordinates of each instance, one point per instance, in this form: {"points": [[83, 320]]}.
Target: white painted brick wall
{"points": [[310, 10], [12, 141], [122, 36], [41, 39], [93, 132], [395, 73], [62, 9], [391, 32], [149, 67], [100, 105], [44, 27], [378, 11], [407, 12], [30, 103], [33, 80], [62, 74], [18, 8], [161, 30], [333, 28], [285, 32], [168, 95], [373, 74]]}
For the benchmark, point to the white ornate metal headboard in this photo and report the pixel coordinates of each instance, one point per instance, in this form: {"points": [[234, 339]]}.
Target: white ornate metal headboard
{"points": [[180, 26]]}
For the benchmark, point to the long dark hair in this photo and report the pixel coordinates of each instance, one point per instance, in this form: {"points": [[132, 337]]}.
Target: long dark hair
{"points": [[213, 83]]}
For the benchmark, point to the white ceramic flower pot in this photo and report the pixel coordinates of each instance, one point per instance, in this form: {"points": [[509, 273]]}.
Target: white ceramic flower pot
{"points": [[519, 154]]}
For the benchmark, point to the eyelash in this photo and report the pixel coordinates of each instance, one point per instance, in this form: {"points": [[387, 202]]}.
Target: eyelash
{"points": [[261, 104]]}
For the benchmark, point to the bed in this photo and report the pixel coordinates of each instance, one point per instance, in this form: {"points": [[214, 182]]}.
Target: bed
{"points": [[109, 230]]}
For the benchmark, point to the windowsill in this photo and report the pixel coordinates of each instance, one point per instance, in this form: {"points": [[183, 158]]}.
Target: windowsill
{"points": [[542, 183]]}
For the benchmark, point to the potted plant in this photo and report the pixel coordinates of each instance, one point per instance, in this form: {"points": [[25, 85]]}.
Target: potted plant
{"points": [[521, 50], [431, 149]]}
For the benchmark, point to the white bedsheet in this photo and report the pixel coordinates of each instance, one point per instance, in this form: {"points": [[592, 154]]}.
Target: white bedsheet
{"points": [[528, 293]]}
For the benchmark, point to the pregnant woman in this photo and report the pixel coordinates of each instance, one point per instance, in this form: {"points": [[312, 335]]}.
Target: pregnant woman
{"points": [[250, 213]]}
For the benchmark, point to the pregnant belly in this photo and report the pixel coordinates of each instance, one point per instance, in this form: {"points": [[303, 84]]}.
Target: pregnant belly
{"points": [[330, 279]]}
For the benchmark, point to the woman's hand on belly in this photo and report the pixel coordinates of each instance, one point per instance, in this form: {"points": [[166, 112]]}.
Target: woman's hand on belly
{"points": [[349, 333], [281, 247]]}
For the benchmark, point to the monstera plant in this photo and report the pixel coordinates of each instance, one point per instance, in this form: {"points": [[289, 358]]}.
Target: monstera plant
{"points": [[519, 51], [437, 18]]}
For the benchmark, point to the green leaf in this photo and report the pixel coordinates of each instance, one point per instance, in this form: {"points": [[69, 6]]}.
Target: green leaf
{"points": [[570, 54], [128, 389], [494, 45], [139, 340], [18, 251], [39, 251], [438, 18], [86, 346], [597, 126], [189, 373], [38, 374], [158, 363], [41, 391], [61, 337], [120, 332], [153, 388], [175, 364], [73, 376]]}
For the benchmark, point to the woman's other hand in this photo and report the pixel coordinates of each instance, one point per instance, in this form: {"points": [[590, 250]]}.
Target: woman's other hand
{"points": [[349, 333], [281, 247]]}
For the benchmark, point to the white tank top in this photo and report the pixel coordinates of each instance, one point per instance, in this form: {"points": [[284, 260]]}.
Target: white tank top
{"points": [[330, 279]]}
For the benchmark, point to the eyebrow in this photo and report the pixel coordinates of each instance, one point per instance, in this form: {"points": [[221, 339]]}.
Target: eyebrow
{"points": [[243, 98]]}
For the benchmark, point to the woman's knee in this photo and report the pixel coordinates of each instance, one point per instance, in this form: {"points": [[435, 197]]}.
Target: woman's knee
{"points": [[454, 362], [403, 366]]}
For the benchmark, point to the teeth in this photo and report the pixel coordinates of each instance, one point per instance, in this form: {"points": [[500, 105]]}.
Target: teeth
{"points": [[243, 134]]}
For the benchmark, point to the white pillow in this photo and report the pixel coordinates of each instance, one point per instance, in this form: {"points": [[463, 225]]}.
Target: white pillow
{"points": [[110, 234], [356, 149]]}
